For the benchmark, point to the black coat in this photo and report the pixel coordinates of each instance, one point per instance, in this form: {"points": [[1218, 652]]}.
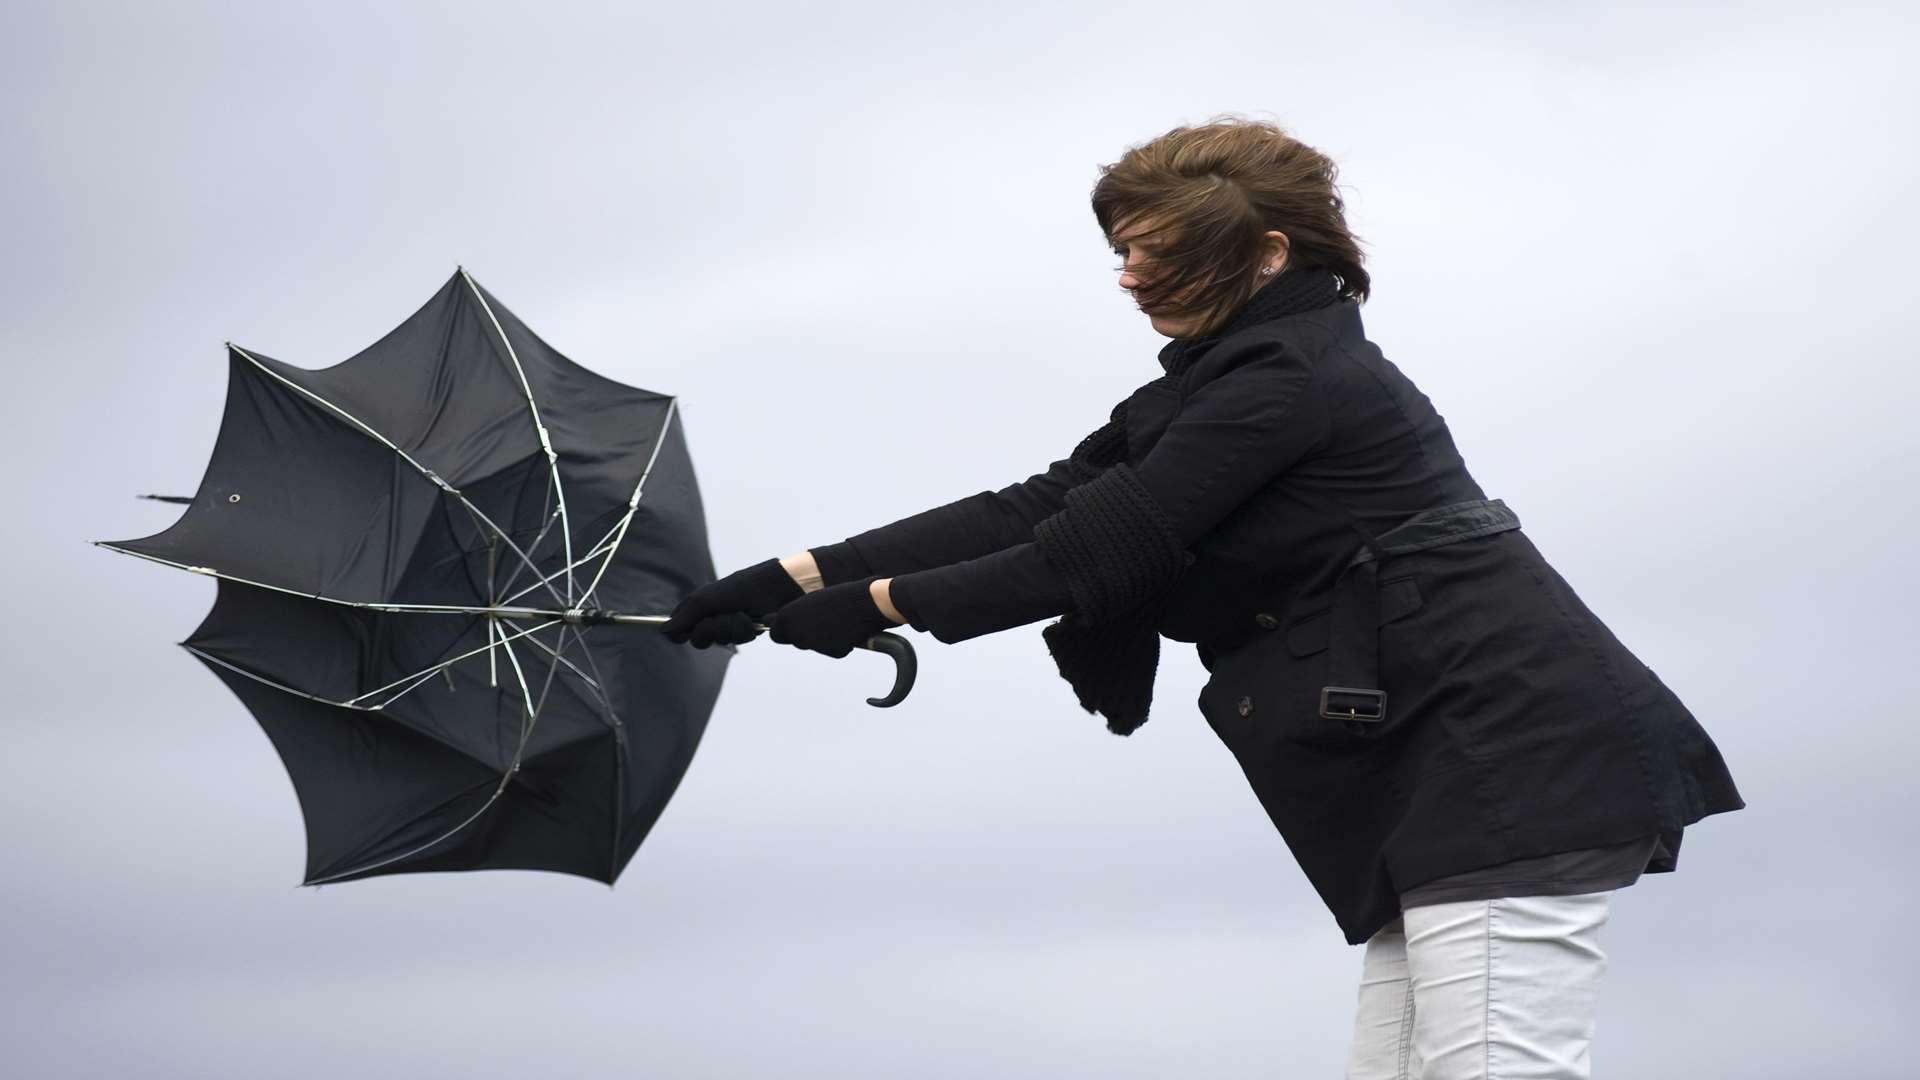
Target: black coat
{"points": [[1517, 725]]}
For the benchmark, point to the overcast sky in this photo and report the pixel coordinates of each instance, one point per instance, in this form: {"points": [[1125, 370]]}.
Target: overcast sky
{"points": [[1653, 263]]}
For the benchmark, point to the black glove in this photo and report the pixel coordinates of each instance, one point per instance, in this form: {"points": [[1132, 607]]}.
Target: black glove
{"points": [[831, 620], [727, 628], [725, 611]]}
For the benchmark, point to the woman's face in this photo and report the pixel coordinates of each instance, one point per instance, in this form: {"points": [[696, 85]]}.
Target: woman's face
{"points": [[1138, 259]]}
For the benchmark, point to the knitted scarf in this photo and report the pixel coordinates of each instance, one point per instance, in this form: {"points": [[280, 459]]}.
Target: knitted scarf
{"points": [[1115, 546]]}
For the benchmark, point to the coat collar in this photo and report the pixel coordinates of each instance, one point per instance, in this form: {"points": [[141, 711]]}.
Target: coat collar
{"points": [[1292, 292]]}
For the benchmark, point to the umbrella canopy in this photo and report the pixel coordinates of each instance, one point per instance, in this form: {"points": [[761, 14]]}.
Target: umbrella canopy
{"points": [[415, 548]]}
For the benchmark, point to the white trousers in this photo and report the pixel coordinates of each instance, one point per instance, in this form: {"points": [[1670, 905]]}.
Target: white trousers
{"points": [[1482, 990]]}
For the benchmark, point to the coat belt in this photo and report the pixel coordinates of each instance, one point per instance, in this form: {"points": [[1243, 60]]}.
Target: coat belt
{"points": [[1353, 692]]}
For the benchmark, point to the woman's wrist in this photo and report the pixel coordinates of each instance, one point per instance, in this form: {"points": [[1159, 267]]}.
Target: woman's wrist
{"points": [[803, 570], [839, 563], [882, 592]]}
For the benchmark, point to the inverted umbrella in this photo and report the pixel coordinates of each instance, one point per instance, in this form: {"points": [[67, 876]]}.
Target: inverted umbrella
{"points": [[430, 558]]}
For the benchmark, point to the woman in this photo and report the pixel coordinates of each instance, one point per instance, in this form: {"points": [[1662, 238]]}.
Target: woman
{"points": [[1462, 758]]}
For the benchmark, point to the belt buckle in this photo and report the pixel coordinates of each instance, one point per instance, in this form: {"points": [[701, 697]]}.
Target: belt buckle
{"points": [[1369, 706]]}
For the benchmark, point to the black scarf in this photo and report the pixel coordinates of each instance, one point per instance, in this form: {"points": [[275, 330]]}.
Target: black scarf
{"points": [[1115, 546]]}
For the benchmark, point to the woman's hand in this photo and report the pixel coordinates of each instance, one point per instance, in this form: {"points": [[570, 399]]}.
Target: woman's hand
{"points": [[831, 620], [725, 612]]}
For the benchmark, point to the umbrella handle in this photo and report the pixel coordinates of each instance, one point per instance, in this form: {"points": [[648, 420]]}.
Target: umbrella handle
{"points": [[906, 666]]}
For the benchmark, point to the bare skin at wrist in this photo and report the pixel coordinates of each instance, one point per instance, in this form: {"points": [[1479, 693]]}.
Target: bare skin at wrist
{"points": [[882, 593], [803, 570], [806, 573]]}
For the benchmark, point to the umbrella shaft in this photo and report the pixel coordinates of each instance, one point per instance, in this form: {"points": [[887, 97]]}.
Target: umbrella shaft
{"points": [[588, 616]]}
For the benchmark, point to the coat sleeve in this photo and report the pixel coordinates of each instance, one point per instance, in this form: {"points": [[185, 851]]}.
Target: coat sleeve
{"points": [[1231, 437], [963, 529]]}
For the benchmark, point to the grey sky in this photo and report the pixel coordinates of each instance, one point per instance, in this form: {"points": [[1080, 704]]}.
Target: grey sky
{"points": [[1650, 261]]}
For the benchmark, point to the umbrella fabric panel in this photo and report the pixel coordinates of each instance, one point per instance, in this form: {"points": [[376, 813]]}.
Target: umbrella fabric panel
{"points": [[603, 431], [665, 553], [369, 790], [558, 813], [435, 386], [666, 694], [296, 499], [327, 650]]}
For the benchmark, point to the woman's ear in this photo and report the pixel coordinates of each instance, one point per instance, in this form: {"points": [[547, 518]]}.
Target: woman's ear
{"points": [[1274, 251]]}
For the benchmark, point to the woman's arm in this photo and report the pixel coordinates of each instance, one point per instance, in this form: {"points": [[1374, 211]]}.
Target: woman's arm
{"points": [[1231, 437], [998, 591], [963, 529]]}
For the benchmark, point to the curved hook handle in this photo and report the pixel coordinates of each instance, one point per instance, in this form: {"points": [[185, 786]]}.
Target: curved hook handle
{"points": [[906, 666], [906, 663]]}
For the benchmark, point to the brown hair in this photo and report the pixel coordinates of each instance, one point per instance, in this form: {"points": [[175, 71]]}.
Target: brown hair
{"points": [[1212, 192]]}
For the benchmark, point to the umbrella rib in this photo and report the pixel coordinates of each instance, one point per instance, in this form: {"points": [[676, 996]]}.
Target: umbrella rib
{"points": [[533, 713], [369, 605], [493, 597], [534, 716], [535, 546], [436, 478], [493, 664], [463, 554], [546, 688], [422, 675], [263, 680], [553, 461], [475, 816], [418, 681], [579, 562], [615, 533], [425, 676], [238, 670], [633, 503], [599, 694], [596, 698], [417, 678], [584, 677]]}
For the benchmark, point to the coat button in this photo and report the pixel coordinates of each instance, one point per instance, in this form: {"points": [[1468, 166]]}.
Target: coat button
{"points": [[1266, 621], [1246, 706]]}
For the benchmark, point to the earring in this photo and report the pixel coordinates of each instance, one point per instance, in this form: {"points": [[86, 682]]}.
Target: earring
{"points": [[1264, 272]]}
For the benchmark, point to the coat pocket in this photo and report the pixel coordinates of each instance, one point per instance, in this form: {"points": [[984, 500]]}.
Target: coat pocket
{"points": [[1309, 634], [1265, 696]]}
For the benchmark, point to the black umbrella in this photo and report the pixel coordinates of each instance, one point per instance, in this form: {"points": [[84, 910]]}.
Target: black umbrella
{"points": [[425, 557]]}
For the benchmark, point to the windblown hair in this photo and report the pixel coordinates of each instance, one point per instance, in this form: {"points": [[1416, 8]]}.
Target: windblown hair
{"points": [[1211, 192]]}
